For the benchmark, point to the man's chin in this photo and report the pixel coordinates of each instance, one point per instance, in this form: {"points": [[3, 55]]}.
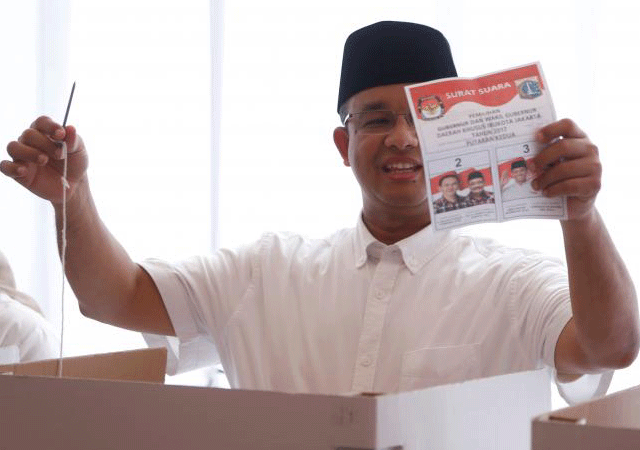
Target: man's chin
{"points": [[407, 203]]}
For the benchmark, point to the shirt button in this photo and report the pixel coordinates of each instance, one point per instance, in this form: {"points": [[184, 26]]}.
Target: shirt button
{"points": [[379, 293], [366, 361]]}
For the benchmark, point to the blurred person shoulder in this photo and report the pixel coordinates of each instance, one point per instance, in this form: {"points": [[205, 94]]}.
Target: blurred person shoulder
{"points": [[21, 321]]}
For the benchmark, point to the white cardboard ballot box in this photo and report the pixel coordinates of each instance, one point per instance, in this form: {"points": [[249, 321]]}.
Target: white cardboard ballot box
{"points": [[62, 413], [612, 422]]}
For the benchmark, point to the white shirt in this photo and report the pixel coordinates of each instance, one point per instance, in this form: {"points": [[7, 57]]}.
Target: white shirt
{"points": [[24, 330], [349, 314], [513, 190], [25, 335]]}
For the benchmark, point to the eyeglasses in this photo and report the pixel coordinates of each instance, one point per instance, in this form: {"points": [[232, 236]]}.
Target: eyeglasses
{"points": [[377, 121]]}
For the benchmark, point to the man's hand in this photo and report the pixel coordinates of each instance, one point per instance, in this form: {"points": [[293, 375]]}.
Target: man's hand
{"points": [[37, 159], [109, 286], [569, 165]]}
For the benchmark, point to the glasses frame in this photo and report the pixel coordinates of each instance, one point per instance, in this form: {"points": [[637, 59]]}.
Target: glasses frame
{"points": [[407, 117]]}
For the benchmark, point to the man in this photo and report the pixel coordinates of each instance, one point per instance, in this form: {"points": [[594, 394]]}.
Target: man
{"points": [[477, 194], [450, 200], [386, 306], [25, 335], [518, 186]]}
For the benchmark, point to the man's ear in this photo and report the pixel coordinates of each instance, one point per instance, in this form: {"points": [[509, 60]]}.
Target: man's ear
{"points": [[341, 139]]}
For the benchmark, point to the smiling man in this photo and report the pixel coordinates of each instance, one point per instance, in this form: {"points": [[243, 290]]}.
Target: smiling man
{"points": [[478, 195], [449, 184], [518, 186], [388, 305]]}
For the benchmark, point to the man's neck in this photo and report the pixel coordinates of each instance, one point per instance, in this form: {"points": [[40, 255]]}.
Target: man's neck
{"points": [[390, 229]]}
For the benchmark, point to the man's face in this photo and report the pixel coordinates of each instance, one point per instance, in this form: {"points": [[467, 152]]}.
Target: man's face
{"points": [[450, 187], [476, 186], [388, 166], [519, 174]]}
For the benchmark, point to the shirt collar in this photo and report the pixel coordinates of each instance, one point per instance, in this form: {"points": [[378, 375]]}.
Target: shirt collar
{"points": [[416, 249]]}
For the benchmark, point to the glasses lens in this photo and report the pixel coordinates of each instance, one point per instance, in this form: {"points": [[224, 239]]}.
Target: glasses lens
{"points": [[375, 121], [378, 121]]}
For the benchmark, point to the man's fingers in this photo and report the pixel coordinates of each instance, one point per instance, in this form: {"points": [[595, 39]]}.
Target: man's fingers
{"points": [[34, 138], [583, 188], [562, 150], [22, 152], [74, 142], [567, 170], [48, 127], [569, 164], [12, 169], [565, 128]]}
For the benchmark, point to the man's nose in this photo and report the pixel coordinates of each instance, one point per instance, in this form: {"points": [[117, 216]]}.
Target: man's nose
{"points": [[403, 135]]}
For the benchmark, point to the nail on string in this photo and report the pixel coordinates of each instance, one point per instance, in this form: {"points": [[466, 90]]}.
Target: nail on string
{"points": [[65, 186]]}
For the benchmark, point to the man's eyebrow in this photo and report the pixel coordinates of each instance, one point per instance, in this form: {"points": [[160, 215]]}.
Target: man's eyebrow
{"points": [[374, 106]]}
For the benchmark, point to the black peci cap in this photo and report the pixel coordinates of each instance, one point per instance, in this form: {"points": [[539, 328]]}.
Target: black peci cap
{"points": [[393, 52], [520, 162]]}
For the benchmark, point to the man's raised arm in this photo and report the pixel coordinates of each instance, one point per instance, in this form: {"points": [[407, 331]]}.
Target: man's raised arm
{"points": [[109, 286], [604, 331]]}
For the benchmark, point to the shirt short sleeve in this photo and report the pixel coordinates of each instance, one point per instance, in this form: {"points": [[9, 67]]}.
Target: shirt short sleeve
{"points": [[200, 294], [542, 306], [543, 309]]}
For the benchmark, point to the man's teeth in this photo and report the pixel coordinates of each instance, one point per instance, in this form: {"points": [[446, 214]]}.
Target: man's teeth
{"points": [[401, 166]]}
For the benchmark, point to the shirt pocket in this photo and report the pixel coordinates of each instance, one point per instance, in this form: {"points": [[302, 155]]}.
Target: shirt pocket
{"points": [[439, 365]]}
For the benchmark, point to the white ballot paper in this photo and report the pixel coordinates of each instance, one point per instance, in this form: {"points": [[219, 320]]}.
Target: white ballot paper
{"points": [[477, 138]]}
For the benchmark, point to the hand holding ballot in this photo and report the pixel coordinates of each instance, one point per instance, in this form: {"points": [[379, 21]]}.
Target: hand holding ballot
{"points": [[37, 159], [568, 166], [485, 124]]}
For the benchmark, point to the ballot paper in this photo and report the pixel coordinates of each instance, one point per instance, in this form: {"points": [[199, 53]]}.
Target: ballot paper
{"points": [[477, 140]]}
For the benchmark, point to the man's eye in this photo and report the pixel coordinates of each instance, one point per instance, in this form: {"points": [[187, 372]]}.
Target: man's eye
{"points": [[376, 122]]}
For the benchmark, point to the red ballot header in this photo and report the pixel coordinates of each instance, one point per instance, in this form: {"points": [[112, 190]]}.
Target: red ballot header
{"points": [[437, 98]]}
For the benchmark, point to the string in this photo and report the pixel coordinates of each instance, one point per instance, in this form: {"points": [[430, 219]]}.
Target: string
{"points": [[65, 186], [63, 250]]}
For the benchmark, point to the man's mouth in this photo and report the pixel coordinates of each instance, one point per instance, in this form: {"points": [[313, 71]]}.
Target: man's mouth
{"points": [[401, 167]]}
